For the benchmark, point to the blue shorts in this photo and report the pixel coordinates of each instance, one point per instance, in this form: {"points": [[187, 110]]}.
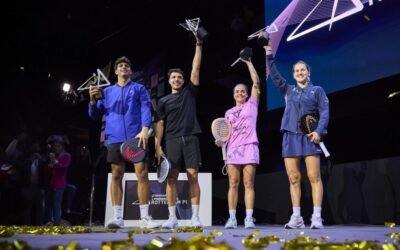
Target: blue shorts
{"points": [[298, 145]]}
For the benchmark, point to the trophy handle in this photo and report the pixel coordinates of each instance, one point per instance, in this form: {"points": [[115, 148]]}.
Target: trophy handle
{"points": [[263, 39], [202, 33]]}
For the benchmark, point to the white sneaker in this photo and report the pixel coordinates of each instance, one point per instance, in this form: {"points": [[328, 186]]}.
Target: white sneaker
{"points": [[316, 222], [295, 222], [146, 222], [249, 223], [115, 223], [195, 221], [171, 223], [231, 223]]}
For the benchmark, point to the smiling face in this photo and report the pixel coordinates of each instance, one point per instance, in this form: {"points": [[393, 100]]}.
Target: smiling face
{"points": [[240, 93], [123, 70], [301, 73], [176, 81]]}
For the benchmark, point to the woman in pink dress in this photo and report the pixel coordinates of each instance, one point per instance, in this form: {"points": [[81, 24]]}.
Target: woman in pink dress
{"points": [[242, 147]]}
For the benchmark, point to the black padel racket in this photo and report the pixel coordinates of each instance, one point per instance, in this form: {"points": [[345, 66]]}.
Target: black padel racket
{"points": [[131, 152], [309, 123]]}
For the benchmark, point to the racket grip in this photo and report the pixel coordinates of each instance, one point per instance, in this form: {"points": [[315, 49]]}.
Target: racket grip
{"points": [[326, 153], [224, 152]]}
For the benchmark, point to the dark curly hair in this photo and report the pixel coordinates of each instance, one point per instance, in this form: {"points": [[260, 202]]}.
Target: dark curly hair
{"points": [[175, 70], [122, 59]]}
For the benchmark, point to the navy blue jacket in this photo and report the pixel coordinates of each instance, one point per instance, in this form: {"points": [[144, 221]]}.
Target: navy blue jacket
{"points": [[127, 110], [300, 101]]}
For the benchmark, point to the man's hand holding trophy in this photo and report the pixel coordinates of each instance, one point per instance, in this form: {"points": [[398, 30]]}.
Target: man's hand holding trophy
{"points": [[193, 26]]}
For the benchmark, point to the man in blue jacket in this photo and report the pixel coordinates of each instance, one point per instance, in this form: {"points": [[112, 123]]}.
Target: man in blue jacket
{"points": [[127, 109]]}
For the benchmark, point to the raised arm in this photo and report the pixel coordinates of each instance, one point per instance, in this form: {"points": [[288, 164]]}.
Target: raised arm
{"points": [[255, 90], [195, 75], [273, 72]]}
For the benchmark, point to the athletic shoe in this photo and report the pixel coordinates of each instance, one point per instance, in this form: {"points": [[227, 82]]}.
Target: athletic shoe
{"points": [[146, 222], [195, 221], [295, 222], [249, 223], [115, 223], [231, 223], [316, 222], [171, 223]]}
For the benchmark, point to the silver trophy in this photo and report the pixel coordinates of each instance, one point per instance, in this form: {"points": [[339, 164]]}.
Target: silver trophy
{"points": [[193, 26], [99, 80], [263, 35], [245, 55]]}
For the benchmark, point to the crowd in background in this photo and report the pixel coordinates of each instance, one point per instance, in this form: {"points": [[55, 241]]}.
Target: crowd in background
{"points": [[46, 182]]}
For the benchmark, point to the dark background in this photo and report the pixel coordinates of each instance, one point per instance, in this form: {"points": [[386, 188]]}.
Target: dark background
{"points": [[65, 41]]}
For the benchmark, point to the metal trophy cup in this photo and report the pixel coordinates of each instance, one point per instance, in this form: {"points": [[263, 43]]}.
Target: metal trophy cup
{"points": [[263, 39], [193, 26], [100, 95], [245, 54], [99, 80], [263, 35]]}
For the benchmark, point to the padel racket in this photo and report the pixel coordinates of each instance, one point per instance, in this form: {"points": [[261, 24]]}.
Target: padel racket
{"points": [[308, 123], [131, 152], [221, 130], [163, 169]]}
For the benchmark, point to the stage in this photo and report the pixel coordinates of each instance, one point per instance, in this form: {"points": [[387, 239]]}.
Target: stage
{"points": [[275, 235]]}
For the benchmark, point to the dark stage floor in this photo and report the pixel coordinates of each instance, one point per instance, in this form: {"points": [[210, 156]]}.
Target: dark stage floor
{"points": [[233, 237]]}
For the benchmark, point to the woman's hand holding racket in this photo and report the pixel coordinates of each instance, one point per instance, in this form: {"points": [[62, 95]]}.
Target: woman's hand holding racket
{"points": [[219, 143], [314, 137], [221, 130], [308, 124]]}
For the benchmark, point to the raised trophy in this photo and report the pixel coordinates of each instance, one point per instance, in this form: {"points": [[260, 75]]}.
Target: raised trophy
{"points": [[263, 35], [263, 39], [193, 26], [99, 80], [245, 55]]}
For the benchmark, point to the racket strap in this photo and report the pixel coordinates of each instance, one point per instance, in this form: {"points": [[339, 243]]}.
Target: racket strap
{"points": [[224, 170]]}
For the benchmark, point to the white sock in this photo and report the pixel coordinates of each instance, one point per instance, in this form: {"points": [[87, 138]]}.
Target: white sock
{"points": [[195, 210], [144, 211], [117, 212], [296, 211], [172, 212], [317, 212], [232, 213], [249, 213]]}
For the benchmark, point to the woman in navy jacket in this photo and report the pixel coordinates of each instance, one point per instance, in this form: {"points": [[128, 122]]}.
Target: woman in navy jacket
{"points": [[302, 98]]}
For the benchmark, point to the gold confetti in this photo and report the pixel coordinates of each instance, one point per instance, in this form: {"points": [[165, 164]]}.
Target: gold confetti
{"points": [[216, 233], [188, 230], [393, 235], [367, 18], [389, 224], [389, 246]]}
